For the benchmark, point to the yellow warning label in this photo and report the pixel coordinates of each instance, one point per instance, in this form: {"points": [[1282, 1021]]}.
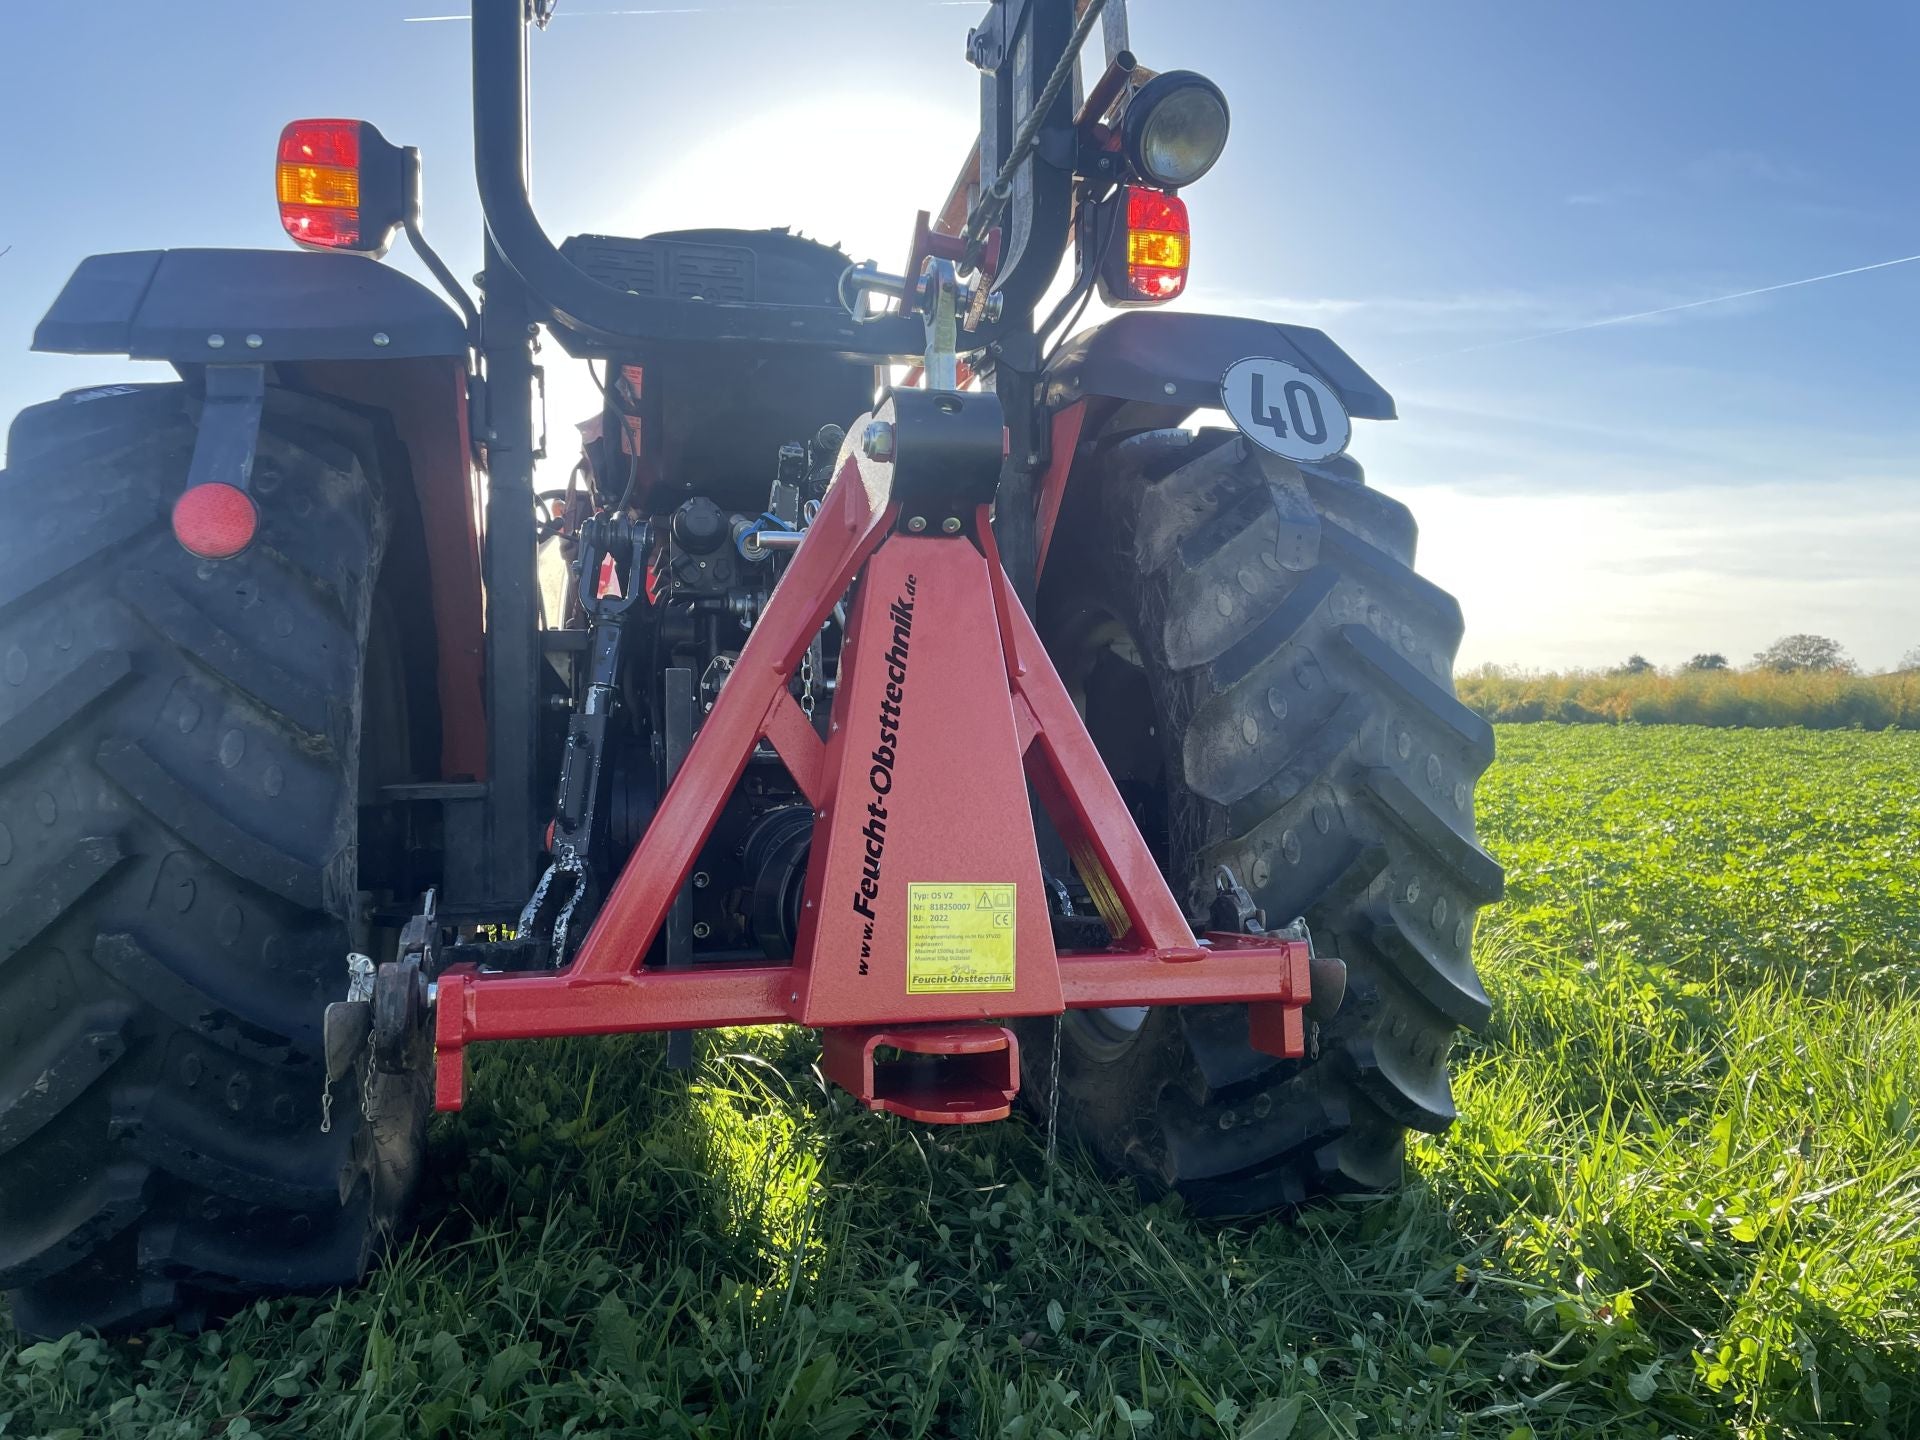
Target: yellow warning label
{"points": [[959, 938]]}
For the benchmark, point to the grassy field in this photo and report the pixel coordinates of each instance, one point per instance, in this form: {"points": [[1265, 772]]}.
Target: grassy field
{"points": [[1767, 698], [1683, 1198]]}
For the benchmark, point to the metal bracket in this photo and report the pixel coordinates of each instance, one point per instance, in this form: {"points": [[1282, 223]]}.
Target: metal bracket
{"points": [[402, 1001], [229, 426], [942, 303]]}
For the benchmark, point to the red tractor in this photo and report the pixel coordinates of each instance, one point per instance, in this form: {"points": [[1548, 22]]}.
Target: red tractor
{"points": [[918, 679]]}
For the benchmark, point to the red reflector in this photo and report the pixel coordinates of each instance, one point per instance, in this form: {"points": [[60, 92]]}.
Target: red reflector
{"points": [[215, 521]]}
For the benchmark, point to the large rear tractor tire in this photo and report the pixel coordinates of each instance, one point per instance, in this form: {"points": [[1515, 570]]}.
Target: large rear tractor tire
{"points": [[1271, 687], [180, 752]]}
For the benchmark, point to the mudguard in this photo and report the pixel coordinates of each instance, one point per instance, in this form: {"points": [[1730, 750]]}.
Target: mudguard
{"points": [[1177, 359], [340, 326], [244, 306], [1148, 369]]}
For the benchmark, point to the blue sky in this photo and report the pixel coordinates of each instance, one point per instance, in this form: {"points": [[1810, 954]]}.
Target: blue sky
{"points": [[1428, 182]]}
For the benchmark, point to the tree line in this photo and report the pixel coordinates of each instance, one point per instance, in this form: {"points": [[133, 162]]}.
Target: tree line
{"points": [[1799, 654]]}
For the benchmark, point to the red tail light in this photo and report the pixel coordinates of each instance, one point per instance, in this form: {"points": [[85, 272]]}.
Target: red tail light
{"points": [[1148, 250], [340, 186]]}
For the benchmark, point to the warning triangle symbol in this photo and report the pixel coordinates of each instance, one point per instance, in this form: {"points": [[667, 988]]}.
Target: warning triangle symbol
{"points": [[986, 901]]}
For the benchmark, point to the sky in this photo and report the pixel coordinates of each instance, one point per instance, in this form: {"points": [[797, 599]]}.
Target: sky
{"points": [[1459, 191]]}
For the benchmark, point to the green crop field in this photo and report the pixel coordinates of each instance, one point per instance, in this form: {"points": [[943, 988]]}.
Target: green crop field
{"points": [[1683, 1197]]}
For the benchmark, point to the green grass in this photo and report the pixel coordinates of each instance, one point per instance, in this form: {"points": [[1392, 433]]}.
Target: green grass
{"points": [[1683, 1197]]}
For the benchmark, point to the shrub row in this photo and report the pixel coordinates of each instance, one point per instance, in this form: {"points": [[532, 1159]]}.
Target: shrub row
{"points": [[1758, 698]]}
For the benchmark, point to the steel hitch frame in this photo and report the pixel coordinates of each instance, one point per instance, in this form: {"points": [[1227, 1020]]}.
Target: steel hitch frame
{"points": [[925, 918]]}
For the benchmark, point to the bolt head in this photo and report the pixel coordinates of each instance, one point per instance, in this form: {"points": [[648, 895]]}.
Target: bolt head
{"points": [[1169, 387], [951, 525], [917, 524], [877, 441], [216, 342], [254, 342], [382, 339]]}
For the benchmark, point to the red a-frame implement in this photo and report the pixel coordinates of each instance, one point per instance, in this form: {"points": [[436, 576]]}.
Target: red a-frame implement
{"points": [[924, 919]]}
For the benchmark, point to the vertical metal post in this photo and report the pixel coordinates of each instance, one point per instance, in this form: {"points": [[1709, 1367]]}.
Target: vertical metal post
{"points": [[679, 929], [1024, 50], [510, 566]]}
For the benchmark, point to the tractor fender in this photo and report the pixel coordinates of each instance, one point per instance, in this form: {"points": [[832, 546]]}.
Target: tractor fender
{"points": [[352, 330], [246, 306], [1149, 370], [1175, 360]]}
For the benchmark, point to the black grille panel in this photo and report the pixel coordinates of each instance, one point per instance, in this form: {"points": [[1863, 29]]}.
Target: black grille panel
{"points": [[666, 269]]}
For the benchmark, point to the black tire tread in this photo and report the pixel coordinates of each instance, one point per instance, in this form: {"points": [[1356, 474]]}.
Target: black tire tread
{"points": [[1301, 673], [178, 812]]}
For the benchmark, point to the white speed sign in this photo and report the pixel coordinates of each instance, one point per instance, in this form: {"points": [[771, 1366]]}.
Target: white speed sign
{"points": [[1285, 409]]}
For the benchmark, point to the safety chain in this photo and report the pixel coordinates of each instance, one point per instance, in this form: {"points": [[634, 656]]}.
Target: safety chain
{"points": [[806, 682], [366, 1088], [1053, 1099], [366, 1096]]}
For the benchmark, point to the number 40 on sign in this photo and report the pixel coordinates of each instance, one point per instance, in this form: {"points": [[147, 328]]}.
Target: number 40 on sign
{"points": [[1285, 409]]}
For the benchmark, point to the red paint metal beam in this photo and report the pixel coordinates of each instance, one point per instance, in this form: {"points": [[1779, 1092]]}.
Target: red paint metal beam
{"points": [[800, 747], [845, 532], [1270, 974]]}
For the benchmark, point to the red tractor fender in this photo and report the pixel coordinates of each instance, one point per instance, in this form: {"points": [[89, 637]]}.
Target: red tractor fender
{"points": [[426, 397], [1151, 370], [340, 326]]}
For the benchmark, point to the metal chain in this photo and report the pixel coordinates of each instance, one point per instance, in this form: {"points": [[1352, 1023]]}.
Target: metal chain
{"points": [[993, 200], [1053, 1100], [806, 681], [366, 1096]]}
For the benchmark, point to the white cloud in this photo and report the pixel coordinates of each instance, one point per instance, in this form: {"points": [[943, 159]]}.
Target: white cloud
{"points": [[1552, 580]]}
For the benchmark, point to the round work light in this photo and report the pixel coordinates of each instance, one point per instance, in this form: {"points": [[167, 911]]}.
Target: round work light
{"points": [[1175, 128]]}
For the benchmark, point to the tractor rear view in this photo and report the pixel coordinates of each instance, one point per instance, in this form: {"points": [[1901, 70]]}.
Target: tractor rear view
{"points": [[918, 679]]}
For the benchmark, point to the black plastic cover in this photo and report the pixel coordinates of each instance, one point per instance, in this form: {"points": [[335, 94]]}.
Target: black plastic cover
{"points": [[169, 304], [1178, 359], [718, 267]]}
